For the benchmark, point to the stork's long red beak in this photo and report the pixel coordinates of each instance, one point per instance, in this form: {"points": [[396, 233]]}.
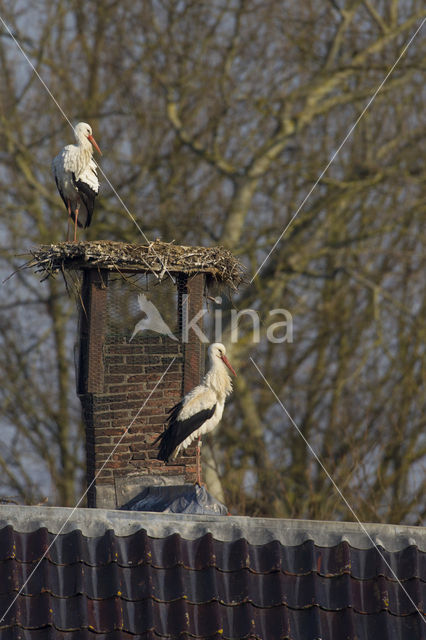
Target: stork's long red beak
{"points": [[228, 364], [95, 144]]}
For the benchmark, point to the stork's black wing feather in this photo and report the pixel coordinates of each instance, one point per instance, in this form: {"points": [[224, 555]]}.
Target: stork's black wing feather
{"points": [[173, 413], [87, 195], [178, 430], [60, 191]]}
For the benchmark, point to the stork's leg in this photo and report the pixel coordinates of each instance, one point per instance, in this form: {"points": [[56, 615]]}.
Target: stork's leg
{"points": [[75, 225], [69, 219], [198, 459]]}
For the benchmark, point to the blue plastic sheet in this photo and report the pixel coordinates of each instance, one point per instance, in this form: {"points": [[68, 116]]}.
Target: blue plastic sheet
{"points": [[186, 498]]}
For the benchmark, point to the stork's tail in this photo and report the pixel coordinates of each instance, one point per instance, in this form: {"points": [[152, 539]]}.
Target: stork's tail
{"points": [[165, 452]]}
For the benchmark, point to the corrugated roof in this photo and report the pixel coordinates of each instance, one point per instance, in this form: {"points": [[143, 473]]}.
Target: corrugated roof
{"points": [[120, 575]]}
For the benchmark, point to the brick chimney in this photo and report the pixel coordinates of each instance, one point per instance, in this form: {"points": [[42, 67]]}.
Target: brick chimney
{"points": [[128, 381], [122, 382]]}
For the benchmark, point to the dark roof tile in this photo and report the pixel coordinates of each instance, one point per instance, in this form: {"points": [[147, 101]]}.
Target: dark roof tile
{"points": [[118, 587], [204, 552], [211, 584], [181, 619]]}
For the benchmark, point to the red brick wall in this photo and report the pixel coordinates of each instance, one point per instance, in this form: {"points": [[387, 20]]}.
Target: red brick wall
{"points": [[124, 380], [131, 381]]}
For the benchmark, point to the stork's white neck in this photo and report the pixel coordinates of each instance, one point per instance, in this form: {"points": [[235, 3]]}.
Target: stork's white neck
{"points": [[84, 145], [218, 379], [83, 156]]}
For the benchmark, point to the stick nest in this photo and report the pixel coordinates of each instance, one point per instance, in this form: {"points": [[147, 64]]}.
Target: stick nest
{"points": [[158, 258]]}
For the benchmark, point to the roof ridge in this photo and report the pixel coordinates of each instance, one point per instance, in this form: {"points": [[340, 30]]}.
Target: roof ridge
{"points": [[256, 531]]}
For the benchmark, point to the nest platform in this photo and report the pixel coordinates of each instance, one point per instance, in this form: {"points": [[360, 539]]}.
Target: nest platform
{"points": [[158, 258]]}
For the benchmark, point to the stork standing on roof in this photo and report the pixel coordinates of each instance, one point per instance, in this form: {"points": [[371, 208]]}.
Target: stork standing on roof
{"points": [[75, 175], [200, 410]]}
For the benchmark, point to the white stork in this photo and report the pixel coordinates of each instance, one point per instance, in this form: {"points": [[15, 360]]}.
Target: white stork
{"points": [[75, 175], [200, 410]]}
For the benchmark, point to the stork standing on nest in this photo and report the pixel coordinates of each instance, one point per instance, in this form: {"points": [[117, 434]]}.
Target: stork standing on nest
{"points": [[200, 410], [75, 175]]}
